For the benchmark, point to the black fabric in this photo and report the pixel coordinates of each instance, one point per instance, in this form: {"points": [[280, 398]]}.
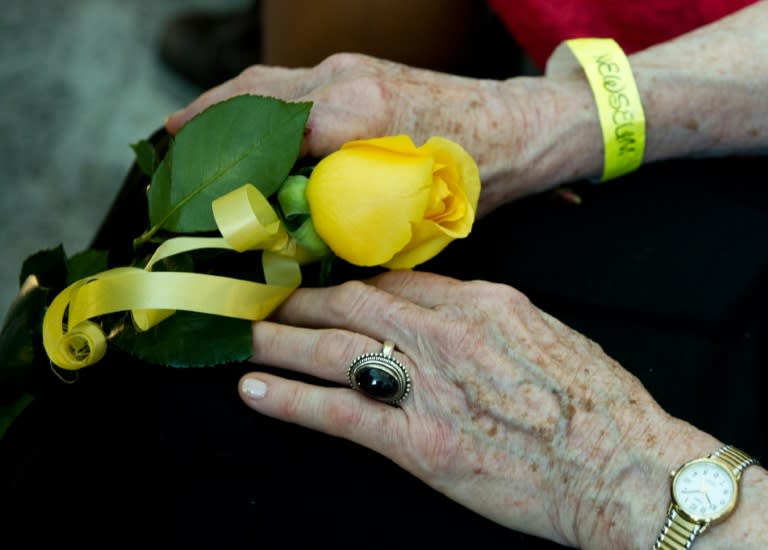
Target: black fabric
{"points": [[666, 268]]}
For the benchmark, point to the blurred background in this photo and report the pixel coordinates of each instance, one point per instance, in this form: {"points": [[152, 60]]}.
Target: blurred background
{"points": [[80, 80]]}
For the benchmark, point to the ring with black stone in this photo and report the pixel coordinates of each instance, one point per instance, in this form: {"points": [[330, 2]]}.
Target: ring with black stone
{"points": [[380, 376]]}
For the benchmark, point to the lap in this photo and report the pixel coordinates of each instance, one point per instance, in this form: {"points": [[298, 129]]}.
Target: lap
{"points": [[665, 269]]}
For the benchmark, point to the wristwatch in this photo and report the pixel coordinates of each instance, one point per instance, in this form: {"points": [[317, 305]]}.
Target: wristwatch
{"points": [[704, 492]]}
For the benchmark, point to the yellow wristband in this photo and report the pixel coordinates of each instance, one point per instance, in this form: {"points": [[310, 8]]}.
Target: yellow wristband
{"points": [[622, 118]]}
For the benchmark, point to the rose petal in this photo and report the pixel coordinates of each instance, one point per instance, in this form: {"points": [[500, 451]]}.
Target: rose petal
{"points": [[451, 154], [364, 197], [427, 241]]}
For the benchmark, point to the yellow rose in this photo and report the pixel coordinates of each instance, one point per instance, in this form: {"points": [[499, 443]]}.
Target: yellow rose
{"points": [[385, 201]]}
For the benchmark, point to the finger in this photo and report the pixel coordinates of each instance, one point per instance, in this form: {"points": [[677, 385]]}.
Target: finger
{"points": [[425, 289], [175, 121], [353, 306], [322, 353], [340, 412], [276, 82]]}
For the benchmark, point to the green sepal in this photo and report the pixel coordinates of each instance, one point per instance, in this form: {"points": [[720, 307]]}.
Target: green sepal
{"points": [[292, 196], [308, 239]]}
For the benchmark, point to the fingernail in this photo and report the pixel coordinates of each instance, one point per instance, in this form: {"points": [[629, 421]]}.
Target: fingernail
{"points": [[254, 388]]}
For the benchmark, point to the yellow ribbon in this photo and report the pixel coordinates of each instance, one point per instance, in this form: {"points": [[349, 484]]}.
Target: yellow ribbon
{"points": [[246, 221]]}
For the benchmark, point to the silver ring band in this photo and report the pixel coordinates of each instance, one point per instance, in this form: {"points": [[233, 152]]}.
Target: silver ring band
{"points": [[380, 376]]}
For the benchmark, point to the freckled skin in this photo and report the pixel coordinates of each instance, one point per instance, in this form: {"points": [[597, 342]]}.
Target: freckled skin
{"points": [[356, 96], [533, 411], [703, 93], [500, 388], [513, 414]]}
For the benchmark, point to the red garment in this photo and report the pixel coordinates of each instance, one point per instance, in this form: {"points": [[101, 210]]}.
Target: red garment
{"points": [[539, 26]]}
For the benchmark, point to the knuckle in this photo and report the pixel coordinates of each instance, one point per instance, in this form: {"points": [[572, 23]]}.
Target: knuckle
{"points": [[250, 73], [339, 413], [438, 450], [459, 331], [333, 347], [250, 79], [503, 294], [452, 336], [292, 404], [346, 299], [500, 299], [341, 61]]}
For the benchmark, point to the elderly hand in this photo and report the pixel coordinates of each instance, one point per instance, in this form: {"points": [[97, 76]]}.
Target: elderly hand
{"points": [[357, 96], [511, 413], [526, 134]]}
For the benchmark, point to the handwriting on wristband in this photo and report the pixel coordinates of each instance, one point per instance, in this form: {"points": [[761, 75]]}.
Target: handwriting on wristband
{"points": [[619, 108], [623, 116]]}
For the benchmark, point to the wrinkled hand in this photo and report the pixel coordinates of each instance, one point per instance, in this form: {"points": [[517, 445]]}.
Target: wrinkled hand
{"points": [[354, 96], [511, 413], [357, 96]]}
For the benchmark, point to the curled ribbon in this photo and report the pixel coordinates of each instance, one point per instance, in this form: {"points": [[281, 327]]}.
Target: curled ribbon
{"points": [[245, 220]]}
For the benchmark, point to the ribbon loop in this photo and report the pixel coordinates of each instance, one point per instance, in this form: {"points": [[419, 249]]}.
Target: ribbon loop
{"points": [[246, 221], [82, 346]]}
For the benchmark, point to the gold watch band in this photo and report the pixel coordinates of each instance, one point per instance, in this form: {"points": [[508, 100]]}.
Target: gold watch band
{"points": [[733, 457], [679, 532]]}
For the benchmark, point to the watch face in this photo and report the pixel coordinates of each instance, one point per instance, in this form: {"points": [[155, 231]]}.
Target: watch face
{"points": [[704, 490]]}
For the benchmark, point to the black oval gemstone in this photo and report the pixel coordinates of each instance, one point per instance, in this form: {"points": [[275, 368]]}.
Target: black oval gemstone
{"points": [[377, 383]]}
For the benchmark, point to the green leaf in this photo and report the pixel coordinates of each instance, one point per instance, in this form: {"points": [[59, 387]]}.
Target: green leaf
{"points": [[159, 195], [48, 266], [188, 339], [86, 263], [20, 338], [245, 139], [146, 157], [9, 412]]}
